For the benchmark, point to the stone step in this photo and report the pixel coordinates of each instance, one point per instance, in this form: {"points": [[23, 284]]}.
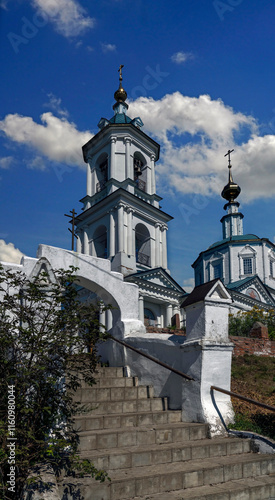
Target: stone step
{"points": [[109, 371], [98, 394], [158, 434], [104, 381], [88, 423], [130, 406], [177, 476], [259, 488], [120, 458]]}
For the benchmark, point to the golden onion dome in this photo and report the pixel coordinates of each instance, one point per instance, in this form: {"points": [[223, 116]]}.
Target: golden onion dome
{"points": [[120, 94]]}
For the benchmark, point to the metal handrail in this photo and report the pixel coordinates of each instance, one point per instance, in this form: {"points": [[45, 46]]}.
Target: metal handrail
{"points": [[164, 365], [233, 394]]}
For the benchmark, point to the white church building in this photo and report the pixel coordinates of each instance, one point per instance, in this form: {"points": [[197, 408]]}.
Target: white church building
{"points": [[121, 219], [245, 263]]}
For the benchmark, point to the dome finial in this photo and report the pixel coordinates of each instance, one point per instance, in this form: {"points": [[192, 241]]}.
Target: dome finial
{"points": [[231, 191], [120, 95]]}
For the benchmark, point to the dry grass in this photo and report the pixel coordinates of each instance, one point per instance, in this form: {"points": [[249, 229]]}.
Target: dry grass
{"points": [[254, 377]]}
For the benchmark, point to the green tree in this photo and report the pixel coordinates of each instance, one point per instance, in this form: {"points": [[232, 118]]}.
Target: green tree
{"points": [[43, 330], [241, 323]]}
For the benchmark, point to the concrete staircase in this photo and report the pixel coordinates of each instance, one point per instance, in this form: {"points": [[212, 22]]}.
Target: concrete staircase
{"points": [[150, 454]]}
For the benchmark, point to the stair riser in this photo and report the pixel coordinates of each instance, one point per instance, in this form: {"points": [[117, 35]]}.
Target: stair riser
{"points": [[163, 456], [122, 421], [139, 405], [125, 489], [97, 395], [107, 382], [139, 437]]}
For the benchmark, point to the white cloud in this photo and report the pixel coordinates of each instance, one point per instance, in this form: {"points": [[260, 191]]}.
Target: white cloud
{"points": [[8, 253], [188, 284], [181, 57], [36, 163], [54, 103], [6, 162], [195, 133], [69, 18], [108, 47], [56, 139]]}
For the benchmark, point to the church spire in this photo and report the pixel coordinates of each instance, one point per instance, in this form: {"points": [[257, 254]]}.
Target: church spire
{"points": [[120, 95], [231, 222], [232, 190]]}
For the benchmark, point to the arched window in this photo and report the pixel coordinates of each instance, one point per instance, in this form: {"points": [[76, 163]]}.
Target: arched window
{"points": [[149, 317], [139, 173], [100, 242], [143, 245], [102, 172]]}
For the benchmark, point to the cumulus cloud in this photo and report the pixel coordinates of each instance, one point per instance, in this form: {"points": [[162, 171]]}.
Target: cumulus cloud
{"points": [[108, 47], [195, 133], [56, 138], [181, 57], [8, 253], [69, 18]]}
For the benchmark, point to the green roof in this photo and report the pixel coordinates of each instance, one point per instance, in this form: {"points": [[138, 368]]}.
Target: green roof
{"points": [[120, 118], [241, 237]]}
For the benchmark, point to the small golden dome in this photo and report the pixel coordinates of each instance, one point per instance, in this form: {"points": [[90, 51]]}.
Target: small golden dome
{"points": [[120, 94]]}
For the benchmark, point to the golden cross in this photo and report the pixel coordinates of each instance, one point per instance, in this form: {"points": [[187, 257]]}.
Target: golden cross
{"points": [[120, 71], [228, 154]]}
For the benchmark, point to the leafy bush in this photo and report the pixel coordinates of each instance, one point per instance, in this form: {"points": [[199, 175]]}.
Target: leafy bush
{"points": [[241, 323], [42, 328]]}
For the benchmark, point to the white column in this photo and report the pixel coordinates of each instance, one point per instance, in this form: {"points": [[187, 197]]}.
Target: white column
{"points": [[93, 181], [169, 313], [102, 318], [153, 181], [111, 234], [129, 167], [157, 245], [120, 228], [85, 241], [149, 180], [130, 231], [92, 248], [164, 247], [141, 308], [89, 180], [78, 243], [109, 319], [112, 159]]}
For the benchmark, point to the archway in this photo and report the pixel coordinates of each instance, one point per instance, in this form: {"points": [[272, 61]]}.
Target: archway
{"points": [[95, 275]]}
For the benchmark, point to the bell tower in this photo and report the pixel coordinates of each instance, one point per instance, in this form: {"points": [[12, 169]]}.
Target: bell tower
{"points": [[121, 219]]}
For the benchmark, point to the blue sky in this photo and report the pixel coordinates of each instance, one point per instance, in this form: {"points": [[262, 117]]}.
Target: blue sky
{"points": [[200, 75]]}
